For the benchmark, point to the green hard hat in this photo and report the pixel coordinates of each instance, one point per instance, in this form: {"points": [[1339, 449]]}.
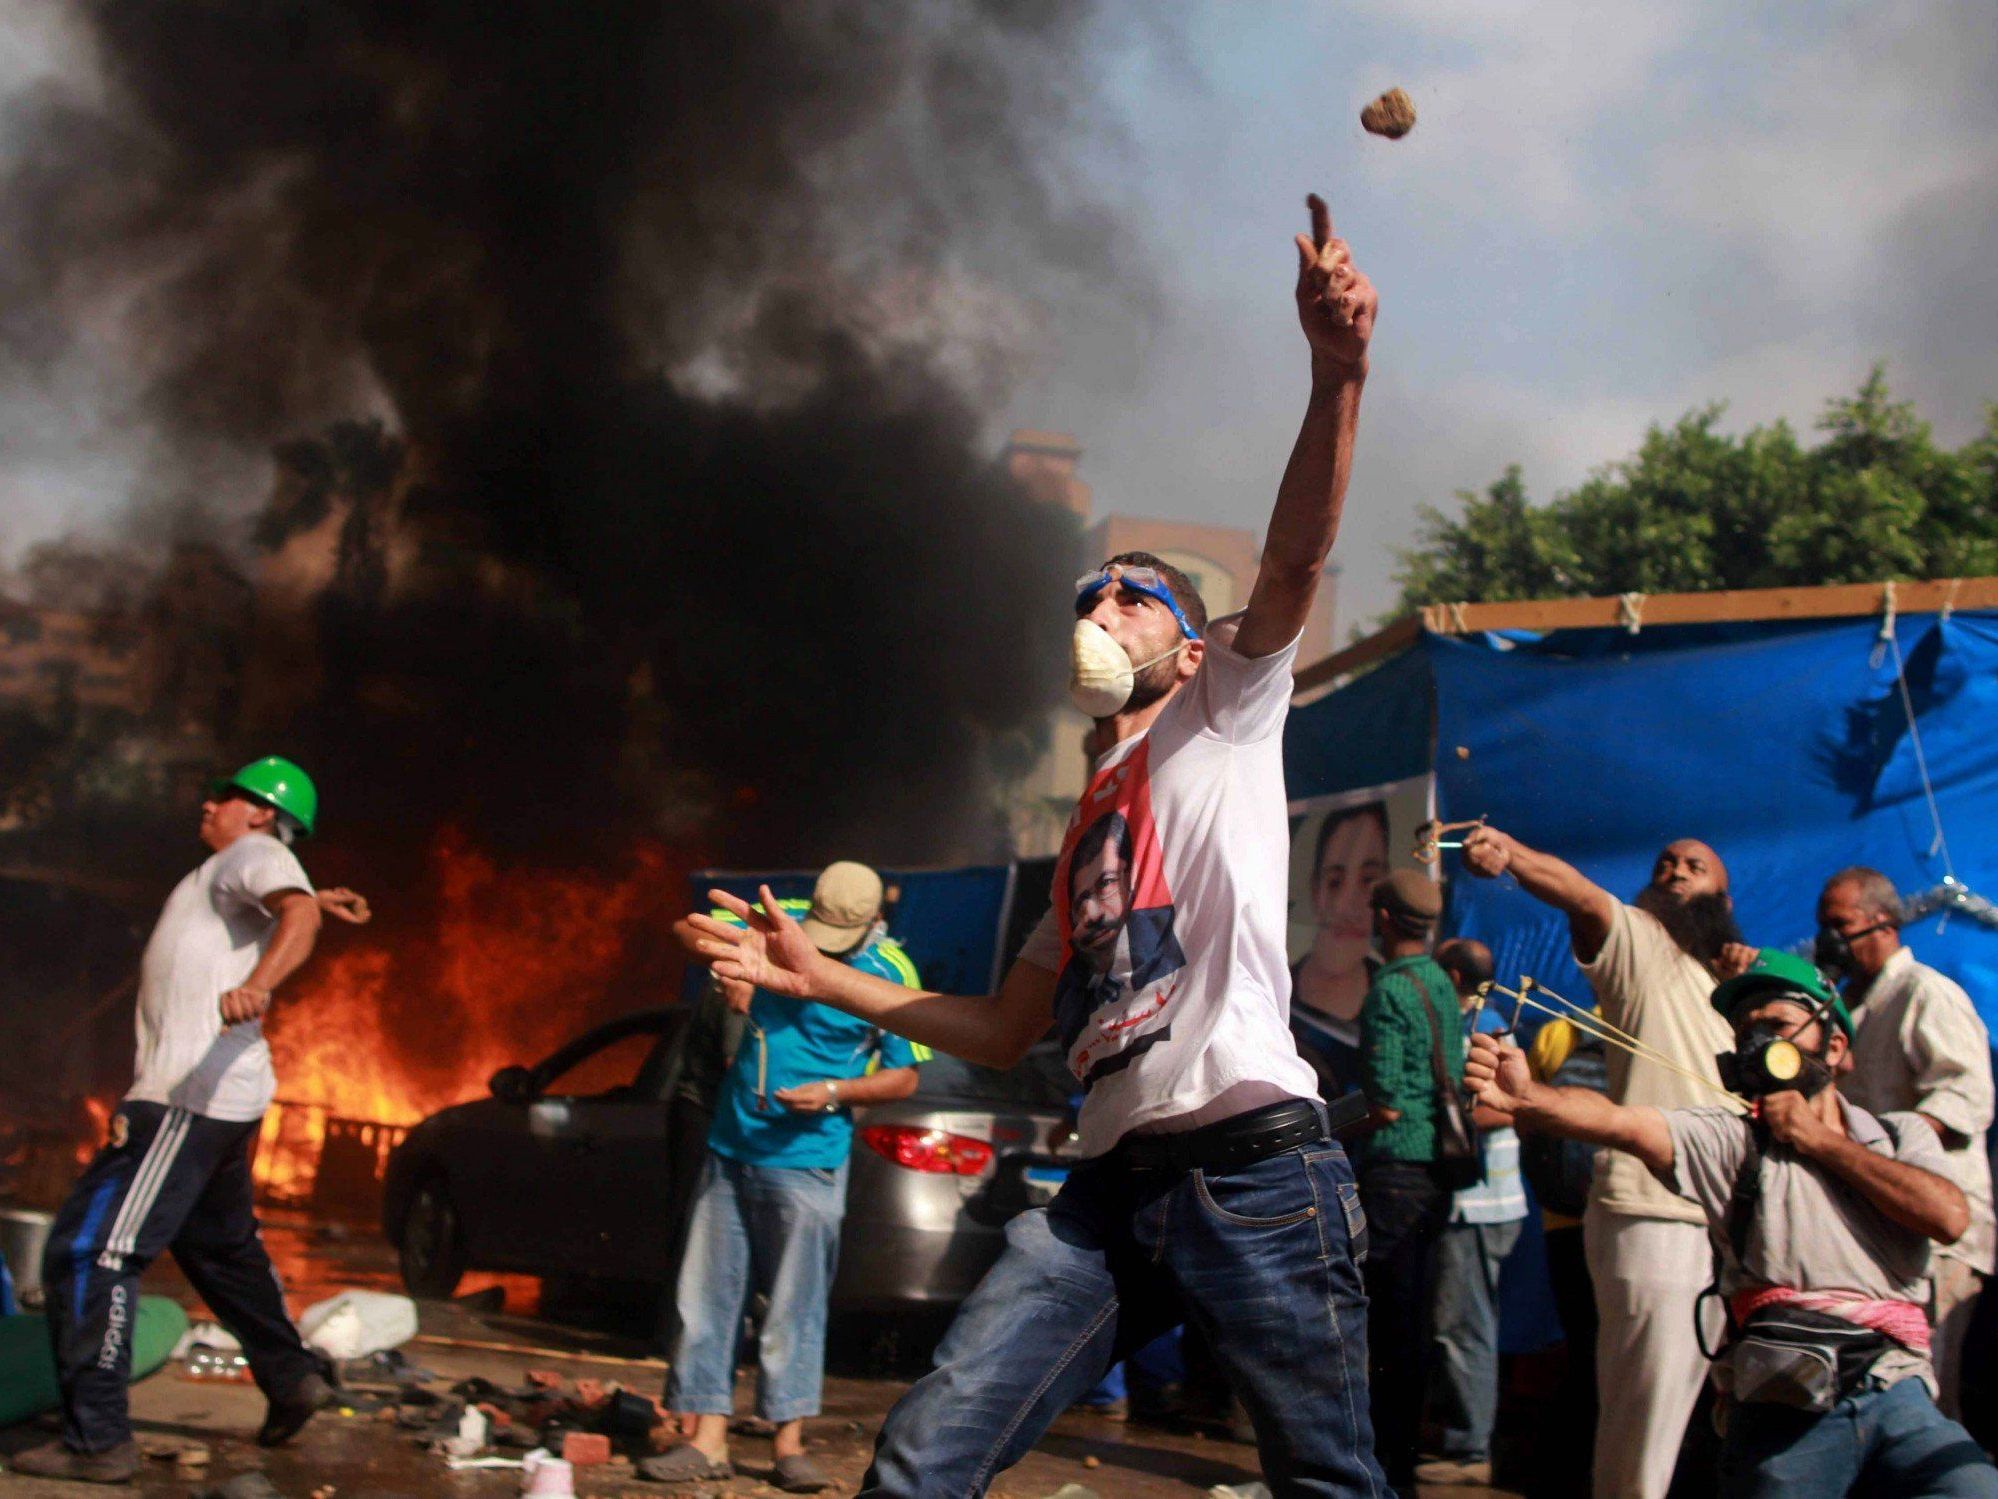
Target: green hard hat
{"points": [[278, 782], [1785, 971]]}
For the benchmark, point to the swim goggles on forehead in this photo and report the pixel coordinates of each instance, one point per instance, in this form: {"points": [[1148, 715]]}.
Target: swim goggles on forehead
{"points": [[1145, 580]]}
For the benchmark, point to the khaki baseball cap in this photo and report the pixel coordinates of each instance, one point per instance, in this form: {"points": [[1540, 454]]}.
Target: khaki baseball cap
{"points": [[1410, 898], [845, 902]]}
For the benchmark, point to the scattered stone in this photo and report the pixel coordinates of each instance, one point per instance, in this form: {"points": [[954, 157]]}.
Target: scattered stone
{"points": [[250, 1485], [1092, 1461], [195, 1456], [1391, 115], [585, 1449], [1074, 1491]]}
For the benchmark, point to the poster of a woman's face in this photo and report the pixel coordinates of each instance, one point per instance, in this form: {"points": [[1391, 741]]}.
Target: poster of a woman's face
{"points": [[1341, 847]]}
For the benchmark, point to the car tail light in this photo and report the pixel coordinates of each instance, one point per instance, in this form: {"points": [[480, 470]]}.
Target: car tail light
{"points": [[928, 1149]]}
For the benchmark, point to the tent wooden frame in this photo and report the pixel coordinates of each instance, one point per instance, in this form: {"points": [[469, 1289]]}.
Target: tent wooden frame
{"points": [[1633, 611]]}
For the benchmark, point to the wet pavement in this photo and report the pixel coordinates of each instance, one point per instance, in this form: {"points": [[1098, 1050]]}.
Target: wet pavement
{"points": [[362, 1455]]}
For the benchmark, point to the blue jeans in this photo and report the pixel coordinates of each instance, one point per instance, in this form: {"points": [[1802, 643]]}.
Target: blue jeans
{"points": [[1893, 1441], [773, 1229], [1262, 1259], [1467, 1358]]}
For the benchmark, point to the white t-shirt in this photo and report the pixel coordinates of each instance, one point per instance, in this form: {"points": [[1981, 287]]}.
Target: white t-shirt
{"points": [[1174, 874], [210, 935]]}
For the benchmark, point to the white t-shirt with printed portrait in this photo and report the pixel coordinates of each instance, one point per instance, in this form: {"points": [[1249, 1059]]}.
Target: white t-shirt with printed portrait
{"points": [[1167, 923], [211, 933]]}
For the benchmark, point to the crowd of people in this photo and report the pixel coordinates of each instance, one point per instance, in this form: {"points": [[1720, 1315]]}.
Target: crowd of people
{"points": [[1317, 1170]]}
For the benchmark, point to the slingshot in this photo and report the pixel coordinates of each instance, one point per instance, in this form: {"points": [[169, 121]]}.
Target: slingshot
{"points": [[1429, 840], [1594, 1025]]}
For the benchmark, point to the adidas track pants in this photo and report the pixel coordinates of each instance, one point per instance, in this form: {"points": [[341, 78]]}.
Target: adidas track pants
{"points": [[168, 1180]]}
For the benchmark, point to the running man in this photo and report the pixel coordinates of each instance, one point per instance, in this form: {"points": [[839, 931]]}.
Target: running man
{"points": [[1211, 1189]]}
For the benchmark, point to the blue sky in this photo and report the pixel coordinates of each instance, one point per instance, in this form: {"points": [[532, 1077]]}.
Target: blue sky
{"points": [[1608, 214]]}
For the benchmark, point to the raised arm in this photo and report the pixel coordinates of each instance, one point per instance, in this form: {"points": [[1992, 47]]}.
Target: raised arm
{"points": [[771, 951], [1336, 305], [1589, 908], [1499, 1078]]}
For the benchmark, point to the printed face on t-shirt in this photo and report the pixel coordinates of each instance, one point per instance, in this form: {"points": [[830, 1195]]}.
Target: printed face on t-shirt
{"points": [[1099, 897]]}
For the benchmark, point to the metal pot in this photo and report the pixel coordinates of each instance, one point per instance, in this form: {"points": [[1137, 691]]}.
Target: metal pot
{"points": [[24, 1233]]}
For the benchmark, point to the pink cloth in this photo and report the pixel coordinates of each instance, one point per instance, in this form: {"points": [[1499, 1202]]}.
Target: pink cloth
{"points": [[1903, 1321]]}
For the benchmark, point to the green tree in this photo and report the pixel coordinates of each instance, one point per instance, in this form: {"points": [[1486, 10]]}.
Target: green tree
{"points": [[1696, 508]]}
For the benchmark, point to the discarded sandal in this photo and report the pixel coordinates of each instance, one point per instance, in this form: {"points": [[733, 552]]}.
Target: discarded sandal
{"points": [[686, 1464], [798, 1474]]}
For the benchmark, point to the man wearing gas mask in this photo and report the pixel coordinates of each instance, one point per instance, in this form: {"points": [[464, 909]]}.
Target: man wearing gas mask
{"points": [[1212, 1188], [1821, 1217], [1919, 1048], [1652, 964]]}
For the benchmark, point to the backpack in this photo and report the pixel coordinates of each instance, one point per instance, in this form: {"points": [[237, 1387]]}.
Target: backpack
{"points": [[1559, 1171]]}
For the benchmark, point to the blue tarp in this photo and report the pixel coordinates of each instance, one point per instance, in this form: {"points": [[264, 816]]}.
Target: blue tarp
{"points": [[1787, 749], [1783, 744]]}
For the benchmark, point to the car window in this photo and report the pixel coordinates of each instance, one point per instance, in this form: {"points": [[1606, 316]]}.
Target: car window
{"points": [[1040, 1079], [605, 1069]]}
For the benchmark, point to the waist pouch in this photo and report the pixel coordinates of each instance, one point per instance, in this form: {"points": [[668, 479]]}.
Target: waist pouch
{"points": [[1787, 1355]]}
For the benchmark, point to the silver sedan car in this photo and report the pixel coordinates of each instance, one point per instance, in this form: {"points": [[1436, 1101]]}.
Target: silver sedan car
{"points": [[580, 1165]]}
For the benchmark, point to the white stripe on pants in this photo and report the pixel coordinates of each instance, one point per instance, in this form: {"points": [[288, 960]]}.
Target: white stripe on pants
{"points": [[1648, 1273], [145, 1188]]}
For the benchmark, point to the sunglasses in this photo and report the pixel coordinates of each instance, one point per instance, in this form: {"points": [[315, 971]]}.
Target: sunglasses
{"points": [[1145, 580]]}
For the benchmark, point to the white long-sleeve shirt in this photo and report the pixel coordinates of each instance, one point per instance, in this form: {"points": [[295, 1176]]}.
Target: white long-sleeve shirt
{"points": [[1921, 1049]]}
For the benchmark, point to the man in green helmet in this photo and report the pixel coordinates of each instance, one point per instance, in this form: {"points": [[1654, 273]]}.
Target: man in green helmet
{"points": [[1822, 1218], [175, 1172]]}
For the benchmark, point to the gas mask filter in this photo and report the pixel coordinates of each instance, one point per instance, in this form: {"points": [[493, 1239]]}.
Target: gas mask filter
{"points": [[1766, 1061], [1831, 950]]}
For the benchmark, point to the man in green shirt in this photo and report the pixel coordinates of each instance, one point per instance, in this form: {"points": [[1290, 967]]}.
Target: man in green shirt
{"points": [[1409, 1015]]}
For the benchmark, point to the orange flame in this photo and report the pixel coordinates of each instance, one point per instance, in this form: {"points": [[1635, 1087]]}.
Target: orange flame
{"points": [[99, 1110], [516, 962]]}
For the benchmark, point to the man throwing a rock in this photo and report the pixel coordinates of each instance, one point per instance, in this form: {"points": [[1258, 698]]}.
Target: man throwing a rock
{"points": [[175, 1173], [1211, 1189]]}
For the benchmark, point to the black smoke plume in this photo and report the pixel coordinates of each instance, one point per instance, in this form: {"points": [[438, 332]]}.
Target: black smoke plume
{"points": [[630, 361]]}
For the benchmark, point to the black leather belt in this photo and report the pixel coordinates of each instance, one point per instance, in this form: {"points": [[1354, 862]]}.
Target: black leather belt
{"points": [[1230, 1144]]}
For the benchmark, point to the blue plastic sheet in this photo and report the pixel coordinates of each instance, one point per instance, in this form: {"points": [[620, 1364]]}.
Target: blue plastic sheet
{"points": [[1784, 744]]}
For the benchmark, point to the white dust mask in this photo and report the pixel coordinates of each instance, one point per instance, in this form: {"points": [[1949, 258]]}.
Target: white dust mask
{"points": [[1101, 677]]}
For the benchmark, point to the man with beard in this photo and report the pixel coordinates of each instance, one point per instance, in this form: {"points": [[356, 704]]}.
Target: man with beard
{"points": [[1652, 964]]}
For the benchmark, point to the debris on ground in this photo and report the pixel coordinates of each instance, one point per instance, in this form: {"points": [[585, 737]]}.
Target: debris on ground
{"points": [[354, 1324], [545, 1476], [1391, 115], [586, 1449], [1239, 1491], [206, 1335], [251, 1485], [181, 1452], [472, 1432]]}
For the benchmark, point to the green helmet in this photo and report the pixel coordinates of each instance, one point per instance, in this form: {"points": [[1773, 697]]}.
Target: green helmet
{"points": [[1774, 970], [277, 782]]}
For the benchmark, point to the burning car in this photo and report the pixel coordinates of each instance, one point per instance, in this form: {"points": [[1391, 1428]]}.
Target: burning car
{"points": [[568, 1169]]}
